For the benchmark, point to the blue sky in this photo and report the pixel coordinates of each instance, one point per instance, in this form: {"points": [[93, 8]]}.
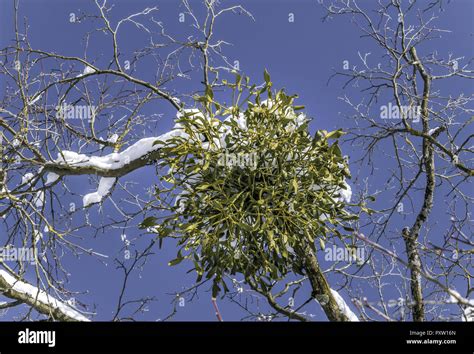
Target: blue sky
{"points": [[300, 57]]}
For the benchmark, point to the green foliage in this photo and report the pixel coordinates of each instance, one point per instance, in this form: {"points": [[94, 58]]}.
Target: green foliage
{"points": [[251, 219], [148, 222]]}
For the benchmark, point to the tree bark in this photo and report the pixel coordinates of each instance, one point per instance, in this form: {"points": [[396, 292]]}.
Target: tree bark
{"points": [[47, 308], [321, 290], [411, 235]]}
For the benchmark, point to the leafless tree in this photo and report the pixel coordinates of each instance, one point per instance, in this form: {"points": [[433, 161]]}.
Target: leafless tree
{"points": [[57, 108], [64, 116]]}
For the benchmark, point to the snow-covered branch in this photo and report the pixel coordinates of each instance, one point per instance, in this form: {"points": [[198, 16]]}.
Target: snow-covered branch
{"points": [[38, 299], [116, 164], [344, 308]]}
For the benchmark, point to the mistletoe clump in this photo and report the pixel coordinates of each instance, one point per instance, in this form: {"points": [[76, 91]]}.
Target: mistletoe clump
{"points": [[251, 191]]}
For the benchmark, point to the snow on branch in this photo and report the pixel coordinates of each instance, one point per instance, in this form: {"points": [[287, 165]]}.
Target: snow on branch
{"points": [[105, 185], [467, 305], [38, 299], [345, 309], [116, 164]]}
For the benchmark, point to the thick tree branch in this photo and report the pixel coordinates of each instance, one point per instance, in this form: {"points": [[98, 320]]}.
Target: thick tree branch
{"points": [[37, 299]]}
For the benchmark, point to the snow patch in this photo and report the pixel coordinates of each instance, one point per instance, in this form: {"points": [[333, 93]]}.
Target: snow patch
{"points": [[467, 310], [38, 199], [51, 177], [32, 102], [27, 177], [113, 139], [345, 195], [344, 307], [87, 70], [117, 160], [105, 184]]}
